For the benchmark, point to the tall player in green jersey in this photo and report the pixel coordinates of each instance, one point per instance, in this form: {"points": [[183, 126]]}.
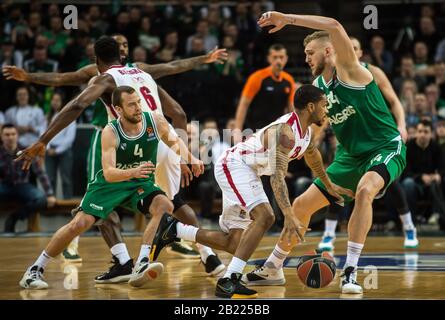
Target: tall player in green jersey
{"points": [[370, 154]]}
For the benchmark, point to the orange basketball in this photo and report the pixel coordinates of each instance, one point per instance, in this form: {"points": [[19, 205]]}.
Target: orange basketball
{"points": [[316, 270]]}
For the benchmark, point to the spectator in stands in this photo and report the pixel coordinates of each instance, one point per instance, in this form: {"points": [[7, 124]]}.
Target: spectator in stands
{"points": [[427, 33], [439, 71], [147, 40], [424, 170], [29, 120], [40, 61], [2, 119], [170, 48], [10, 56], [34, 26], [98, 26], [245, 24], [407, 93], [58, 38], [139, 54], [421, 110], [408, 72], [59, 156], [440, 134], [381, 57], [233, 67], [89, 58], [421, 59], [440, 51], [202, 31], [76, 51], [14, 182], [214, 20], [432, 93], [412, 130]]}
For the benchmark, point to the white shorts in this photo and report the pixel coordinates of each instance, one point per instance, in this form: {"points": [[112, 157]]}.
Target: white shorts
{"points": [[242, 191], [168, 170]]}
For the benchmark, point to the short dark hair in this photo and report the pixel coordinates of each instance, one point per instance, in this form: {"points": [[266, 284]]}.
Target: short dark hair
{"points": [[426, 122], [276, 47], [116, 98], [6, 126], [107, 49], [305, 94]]}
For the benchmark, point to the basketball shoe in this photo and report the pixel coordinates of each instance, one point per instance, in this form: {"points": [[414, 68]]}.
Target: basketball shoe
{"points": [[411, 240], [183, 250], [265, 276], [144, 272], [348, 283], [118, 273], [326, 243], [33, 279], [71, 254], [233, 288]]}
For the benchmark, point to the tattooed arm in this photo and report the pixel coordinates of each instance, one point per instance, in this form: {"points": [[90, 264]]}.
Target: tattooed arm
{"points": [[179, 66]]}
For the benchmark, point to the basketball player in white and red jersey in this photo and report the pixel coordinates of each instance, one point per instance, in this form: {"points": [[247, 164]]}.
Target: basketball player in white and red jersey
{"points": [[247, 214], [112, 75]]}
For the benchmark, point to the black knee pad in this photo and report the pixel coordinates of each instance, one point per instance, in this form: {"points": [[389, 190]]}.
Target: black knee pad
{"points": [[177, 202]]}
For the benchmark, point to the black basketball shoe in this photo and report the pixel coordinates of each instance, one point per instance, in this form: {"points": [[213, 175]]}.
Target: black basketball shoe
{"points": [[233, 288], [165, 235], [213, 265], [118, 273]]}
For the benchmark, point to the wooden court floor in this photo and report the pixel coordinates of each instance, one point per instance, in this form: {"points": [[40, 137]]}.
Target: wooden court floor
{"points": [[401, 274]]}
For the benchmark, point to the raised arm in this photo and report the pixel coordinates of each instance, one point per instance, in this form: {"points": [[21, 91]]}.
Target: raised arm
{"points": [[113, 174], [70, 112], [390, 95], [347, 63], [179, 66], [176, 144], [53, 79]]}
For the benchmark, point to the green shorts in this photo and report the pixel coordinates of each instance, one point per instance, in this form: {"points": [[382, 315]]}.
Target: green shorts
{"points": [[94, 160], [102, 197], [346, 170]]}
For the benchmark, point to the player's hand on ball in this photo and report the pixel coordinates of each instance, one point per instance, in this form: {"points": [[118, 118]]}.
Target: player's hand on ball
{"points": [[293, 227], [29, 154], [186, 175], [337, 191], [272, 18], [14, 73], [197, 167], [144, 170]]}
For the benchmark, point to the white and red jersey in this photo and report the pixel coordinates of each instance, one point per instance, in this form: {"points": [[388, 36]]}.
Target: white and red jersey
{"points": [[261, 160], [142, 82]]}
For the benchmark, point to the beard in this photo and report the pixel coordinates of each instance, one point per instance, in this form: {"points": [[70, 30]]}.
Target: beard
{"points": [[133, 119], [319, 68]]}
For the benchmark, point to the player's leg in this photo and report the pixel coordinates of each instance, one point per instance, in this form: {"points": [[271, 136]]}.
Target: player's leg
{"points": [[330, 225], [33, 277], [271, 273], [398, 198], [157, 204], [168, 177]]}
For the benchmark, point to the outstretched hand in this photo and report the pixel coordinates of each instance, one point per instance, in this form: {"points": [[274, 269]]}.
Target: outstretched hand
{"points": [[14, 73], [216, 55], [272, 18], [35, 150]]}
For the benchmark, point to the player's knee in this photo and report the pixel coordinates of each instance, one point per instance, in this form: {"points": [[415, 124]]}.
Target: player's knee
{"points": [[77, 226], [366, 192], [163, 207]]}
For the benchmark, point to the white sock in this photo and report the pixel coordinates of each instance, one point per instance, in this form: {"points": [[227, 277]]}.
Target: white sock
{"points": [[186, 232], [120, 251], [205, 251], [236, 266], [407, 221], [144, 253], [75, 242], [354, 251], [329, 227], [276, 258], [42, 260]]}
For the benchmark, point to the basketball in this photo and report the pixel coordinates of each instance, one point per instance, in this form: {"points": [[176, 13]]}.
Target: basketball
{"points": [[316, 270]]}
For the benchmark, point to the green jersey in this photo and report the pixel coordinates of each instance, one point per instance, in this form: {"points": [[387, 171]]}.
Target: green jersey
{"points": [[131, 152], [358, 115]]}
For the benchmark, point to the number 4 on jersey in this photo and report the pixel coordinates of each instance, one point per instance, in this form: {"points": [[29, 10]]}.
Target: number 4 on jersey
{"points": [[138, 151]]}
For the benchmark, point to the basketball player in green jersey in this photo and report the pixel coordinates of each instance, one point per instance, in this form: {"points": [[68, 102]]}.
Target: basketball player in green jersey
{"points": [[370, 154], [129, 147], [111, 227], [395, 190]]}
